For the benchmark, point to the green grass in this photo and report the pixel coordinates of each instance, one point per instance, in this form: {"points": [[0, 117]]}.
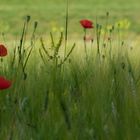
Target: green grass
{"points": [[98, 99], [50, 15], [95, 98], [58, 96]]}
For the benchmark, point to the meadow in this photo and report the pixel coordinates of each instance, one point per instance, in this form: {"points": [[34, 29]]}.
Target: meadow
{"points": [[64, 78], [50, 15]]}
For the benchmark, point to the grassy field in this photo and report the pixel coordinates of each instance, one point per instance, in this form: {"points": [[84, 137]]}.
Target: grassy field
{"points": [[65, 91], [50, 15]]}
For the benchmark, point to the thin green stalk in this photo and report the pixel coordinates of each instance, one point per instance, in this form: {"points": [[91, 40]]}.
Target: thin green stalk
{"points": [[110, 45], [66, 27], [23, 38], [67, 56], [85, 44], [107, 17], [98, 32], [21, 41], [14, 57], [32, 43], [42, 57], [52, 40]]}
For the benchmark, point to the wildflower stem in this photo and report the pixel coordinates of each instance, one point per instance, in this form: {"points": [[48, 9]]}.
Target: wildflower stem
{"points": [[98, 31], [106, 24], [110, 42], [85, 45], [66, 28], [52, 40], [41, 55], [32, 44], [21, 41], [23, 38], [67, 56], [14, 57]]}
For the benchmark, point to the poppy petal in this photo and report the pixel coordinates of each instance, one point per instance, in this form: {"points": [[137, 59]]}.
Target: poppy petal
{"points": [[4, 83], [3, 50], [86, 23]]}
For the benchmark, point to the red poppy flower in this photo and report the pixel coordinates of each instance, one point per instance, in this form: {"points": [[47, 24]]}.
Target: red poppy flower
{"points": [[4, 83], [86, 23], [3, 50]]}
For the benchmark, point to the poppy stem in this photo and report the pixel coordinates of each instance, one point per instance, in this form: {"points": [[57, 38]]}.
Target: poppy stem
{"points": [[85, 45], [1, 60], [98, 33]]}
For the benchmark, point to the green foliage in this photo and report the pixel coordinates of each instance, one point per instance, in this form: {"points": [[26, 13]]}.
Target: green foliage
{"points": [[58, 94], [94, 98]]}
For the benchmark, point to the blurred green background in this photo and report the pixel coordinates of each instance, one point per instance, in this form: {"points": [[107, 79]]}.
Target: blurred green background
{"points": [[51, 14]]}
